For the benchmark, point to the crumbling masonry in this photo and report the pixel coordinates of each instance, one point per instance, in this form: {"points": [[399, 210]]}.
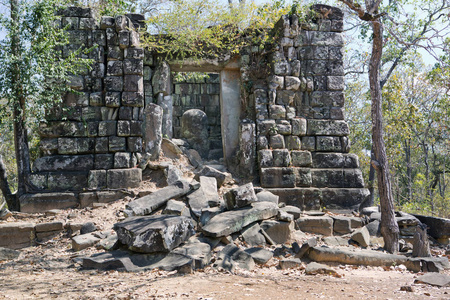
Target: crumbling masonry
{"points": [[283, 123]]}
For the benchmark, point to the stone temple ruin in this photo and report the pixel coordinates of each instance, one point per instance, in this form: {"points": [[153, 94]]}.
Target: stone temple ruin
{"points": [[282, 123]]}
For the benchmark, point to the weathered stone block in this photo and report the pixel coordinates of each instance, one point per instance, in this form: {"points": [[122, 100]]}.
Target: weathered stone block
{"points": [[113, 83], [85, 145], [38, 181], [309, 143], [133, 66], [136, 128], [328, 127], [107, 128], [342, 224], [277, 177], [299, 126], [301, 158], [265, 158], [293, 142], [154, 233], [123, 128], [117, 144], [303, 177], [67, 146], [266, 127], [114, 53], [343, 197], [124, 39], [285, 97], [318, 225], [64, 163], [112, 99], [329, 144], [281, 158], [277, 141], [133, 99], [114, 68], [335, 83], [97, 179], [277, 112], [104, 161], [65, 181], [122, 160], [133, 83], [17, 235], [134, 144], [240, 196], [124, 178]]}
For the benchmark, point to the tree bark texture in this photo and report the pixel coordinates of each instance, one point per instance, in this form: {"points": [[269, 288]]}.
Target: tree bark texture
{"points": [[4, 186], [389, 226], [20, 132]]}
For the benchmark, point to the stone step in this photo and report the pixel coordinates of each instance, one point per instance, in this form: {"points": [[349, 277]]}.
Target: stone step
{"points": [[314, 198]]}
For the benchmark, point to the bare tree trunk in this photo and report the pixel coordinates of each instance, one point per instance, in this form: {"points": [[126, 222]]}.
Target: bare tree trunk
{"points": [[408, 169], [4, 186], [20, 131], [371, 199], [389, 226], [421, 246]]}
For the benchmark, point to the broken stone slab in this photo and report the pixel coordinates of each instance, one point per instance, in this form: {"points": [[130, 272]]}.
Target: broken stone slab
{"points": [[376, 258], [240, 196], [8, 254], [149, 234], [221, 177], [367, 211], [284, 216], [173, 174], [229, 222], [438, 228], [84, 241], [209, 213], [278, 231], [260, 255], [206, 196], [199, 252], [170, 149], [108, 243], [147, 204], [88, 227], [310, 243], [291, 263], [436, 279], [335, 241], [41, 202], [318, 225], [362, 237], [131, 262], [252, 235], [267, 196], [231, 257], [314, 268], [292, 210], [342, 224], [374, 228], [50, 226], [177, 208]]}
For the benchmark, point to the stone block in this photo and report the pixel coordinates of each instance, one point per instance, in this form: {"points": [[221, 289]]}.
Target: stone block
{"points": [[328, 127], [335, 83], [67, 181], [107, 128], [114, 68], [122, 160], [85, 145], [301, 158], [292, 83], [124, 39], [293, 142], [266, 127], [17, 235], [133, 66], [113, 83], [98, 70], [277, 177], [64, 163], [277, 141], [35, 203], [114, 53], [112, 99], [343, 197], [136, 53], [303, 177], [67, 146], [362, 237], [123, 128], [133, 98], [104, 161], [262, 143], [329, 144], [136, 128], [117, 144], [299, 126], [317, 225], [133, 83], [283, 127], [309, 143], [342, 224], [124, 178], [97, 179], [265, 158], [277, 112], [134, 144], [240, 196], [285, 98], [281, 158]]}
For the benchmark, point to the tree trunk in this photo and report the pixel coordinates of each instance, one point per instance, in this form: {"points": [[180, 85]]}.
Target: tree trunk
{"points": [[4, 187], [20, 131], [421, 246], [408, 169], [369, 201], [389, 226]]}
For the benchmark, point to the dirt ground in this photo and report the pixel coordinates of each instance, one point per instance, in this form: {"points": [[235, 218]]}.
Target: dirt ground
{"points": [[50, 271]]}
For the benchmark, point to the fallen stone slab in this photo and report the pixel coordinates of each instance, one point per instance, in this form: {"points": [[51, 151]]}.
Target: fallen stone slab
{"points": [[436, 279], [342, 224], [279, 231], [267, 196], [231, 257], [284, 216], [291, 263], [252, 235], [375, 258], [8, 254], [127, 261], [362, 237], [335, 241], [229, 222], [147, 204], [108, 243], [221, 177], [206, 196], [149, 234], [88, 227], [292, 210], [51, 226], [177, 208], [173, 174], [306, 246], [17, 235], [209, 213], [84, 241], [316, 224], [374, 228], [240, 196], [314, 268], [438, 228], [260, 255], [199, 252]]}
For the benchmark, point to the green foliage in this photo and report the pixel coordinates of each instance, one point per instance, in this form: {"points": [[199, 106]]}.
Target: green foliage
{"points": [[107, 7], [206, 28]]}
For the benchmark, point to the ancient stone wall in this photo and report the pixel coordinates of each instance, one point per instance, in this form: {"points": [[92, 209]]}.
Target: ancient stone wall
{"points": [[292, 133], [201, 92]]}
